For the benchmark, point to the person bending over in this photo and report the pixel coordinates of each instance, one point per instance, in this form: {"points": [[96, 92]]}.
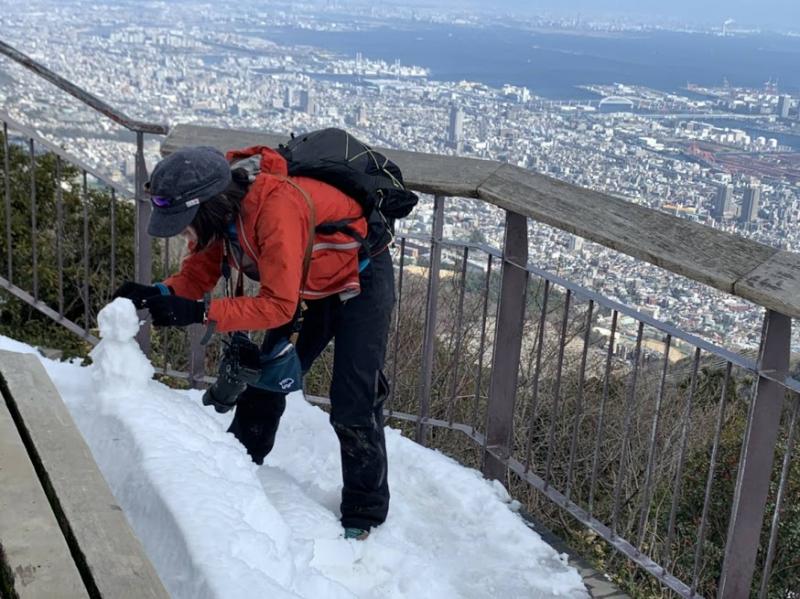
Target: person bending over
{"points": [[241, 213]]}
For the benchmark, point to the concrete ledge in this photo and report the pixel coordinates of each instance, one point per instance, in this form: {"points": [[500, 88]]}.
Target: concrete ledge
{"points": [[37, 560], [103, 548]]}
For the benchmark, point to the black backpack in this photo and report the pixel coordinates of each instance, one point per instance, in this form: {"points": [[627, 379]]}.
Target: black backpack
{"points": [[370, 178]]}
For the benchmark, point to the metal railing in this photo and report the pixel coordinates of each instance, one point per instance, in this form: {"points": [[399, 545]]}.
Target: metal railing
{"points": [[606, 451], [143, 244], [596, 407]]}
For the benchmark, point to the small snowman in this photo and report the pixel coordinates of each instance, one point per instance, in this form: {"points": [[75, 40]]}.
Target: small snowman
{"points": [[119, 367]]}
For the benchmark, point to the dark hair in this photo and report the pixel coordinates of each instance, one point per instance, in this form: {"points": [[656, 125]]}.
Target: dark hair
{"points": [[214, 215]]}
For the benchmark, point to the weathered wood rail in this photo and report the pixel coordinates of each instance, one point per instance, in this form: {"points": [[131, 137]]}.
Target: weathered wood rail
{"points": [[753, 271]]}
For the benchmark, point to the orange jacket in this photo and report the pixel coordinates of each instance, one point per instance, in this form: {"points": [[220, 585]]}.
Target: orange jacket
{"points": [[273, 230]]}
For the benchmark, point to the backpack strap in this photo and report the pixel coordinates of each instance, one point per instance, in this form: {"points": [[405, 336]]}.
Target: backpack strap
{"points": [[226, 269], [312, 226], [297, 322], [230, 289], [343, 226]]}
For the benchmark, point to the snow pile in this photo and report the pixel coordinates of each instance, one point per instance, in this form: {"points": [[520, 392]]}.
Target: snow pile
{"points": [[217, 526], [118, 361]]}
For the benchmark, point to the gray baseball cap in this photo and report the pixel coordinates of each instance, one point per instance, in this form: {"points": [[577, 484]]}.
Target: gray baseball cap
{"points": [[180, 183]]}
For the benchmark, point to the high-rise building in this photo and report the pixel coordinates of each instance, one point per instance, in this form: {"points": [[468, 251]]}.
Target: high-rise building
{"points": [[784, 102], [307, 103], [361, 116], [483, 129], [575, 243], [455, 134], [723, 204], [752, 196]]}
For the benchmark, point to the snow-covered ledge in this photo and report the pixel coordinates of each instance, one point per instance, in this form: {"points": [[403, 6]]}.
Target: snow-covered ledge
{"points": [[216, 525], [60, 522]]}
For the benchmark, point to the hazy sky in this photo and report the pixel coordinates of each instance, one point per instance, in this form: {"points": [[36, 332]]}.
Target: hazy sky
{"points": [[774, 13]]}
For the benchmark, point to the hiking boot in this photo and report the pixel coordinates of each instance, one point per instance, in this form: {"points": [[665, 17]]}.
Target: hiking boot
{"points": [[358, 534]]}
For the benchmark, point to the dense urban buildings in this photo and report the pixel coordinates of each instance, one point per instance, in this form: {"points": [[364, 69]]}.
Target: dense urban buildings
{"points": [[723, 156]]}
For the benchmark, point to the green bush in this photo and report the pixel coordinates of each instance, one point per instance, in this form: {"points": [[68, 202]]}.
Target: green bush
{"points": [[81, 271]]}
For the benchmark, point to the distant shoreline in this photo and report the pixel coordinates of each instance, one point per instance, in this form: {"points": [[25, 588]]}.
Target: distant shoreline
{"points": [[552, 63]]}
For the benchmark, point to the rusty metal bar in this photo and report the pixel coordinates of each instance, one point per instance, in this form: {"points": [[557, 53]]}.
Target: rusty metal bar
{"points": [[143, 254], [396, 355], [113, 216], [60, 235], [536, 371], [776, 515], [676, 487], [755, 464], [34, 229], [579, 402], [651, 453], [737, 359], [482, 343], [712, 467], [143, 242], [28, 132], [557, 390], [9, 216], [166, 267], [80, 94], [48, 311], [86, 302], [429, 336], [629, 412], [508, 336], [197, 355], [458, 335], [601, 419], [167, 336]]}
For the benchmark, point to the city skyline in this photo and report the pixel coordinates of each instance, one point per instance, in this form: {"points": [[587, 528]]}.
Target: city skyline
{"points": [[667, 151], [780, 14]]}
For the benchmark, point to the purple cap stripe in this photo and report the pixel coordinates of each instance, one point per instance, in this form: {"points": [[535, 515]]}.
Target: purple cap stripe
{"points": [[161, 201]]}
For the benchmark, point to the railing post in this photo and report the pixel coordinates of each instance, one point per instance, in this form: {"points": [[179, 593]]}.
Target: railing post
{"points": [[34, 228], [508, 344], [757, 457], [143, 253], [429, 336], [7, 181], [197, 356]]}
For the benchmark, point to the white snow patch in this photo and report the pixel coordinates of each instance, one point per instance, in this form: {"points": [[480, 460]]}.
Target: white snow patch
{"points": [[217, 526]]}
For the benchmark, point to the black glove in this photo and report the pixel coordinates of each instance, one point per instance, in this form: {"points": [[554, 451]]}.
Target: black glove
{"points": [[136, 292], [174, 311]]}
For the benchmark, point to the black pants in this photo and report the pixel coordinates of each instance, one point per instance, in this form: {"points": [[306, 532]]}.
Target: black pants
{"points": [[359, 328]]}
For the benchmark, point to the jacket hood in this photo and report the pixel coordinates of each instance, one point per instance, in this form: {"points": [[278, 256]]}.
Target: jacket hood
{"points": [[269, 160]]}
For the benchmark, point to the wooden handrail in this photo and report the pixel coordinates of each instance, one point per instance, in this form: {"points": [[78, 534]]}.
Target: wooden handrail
{"points": [[753, 271]]}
